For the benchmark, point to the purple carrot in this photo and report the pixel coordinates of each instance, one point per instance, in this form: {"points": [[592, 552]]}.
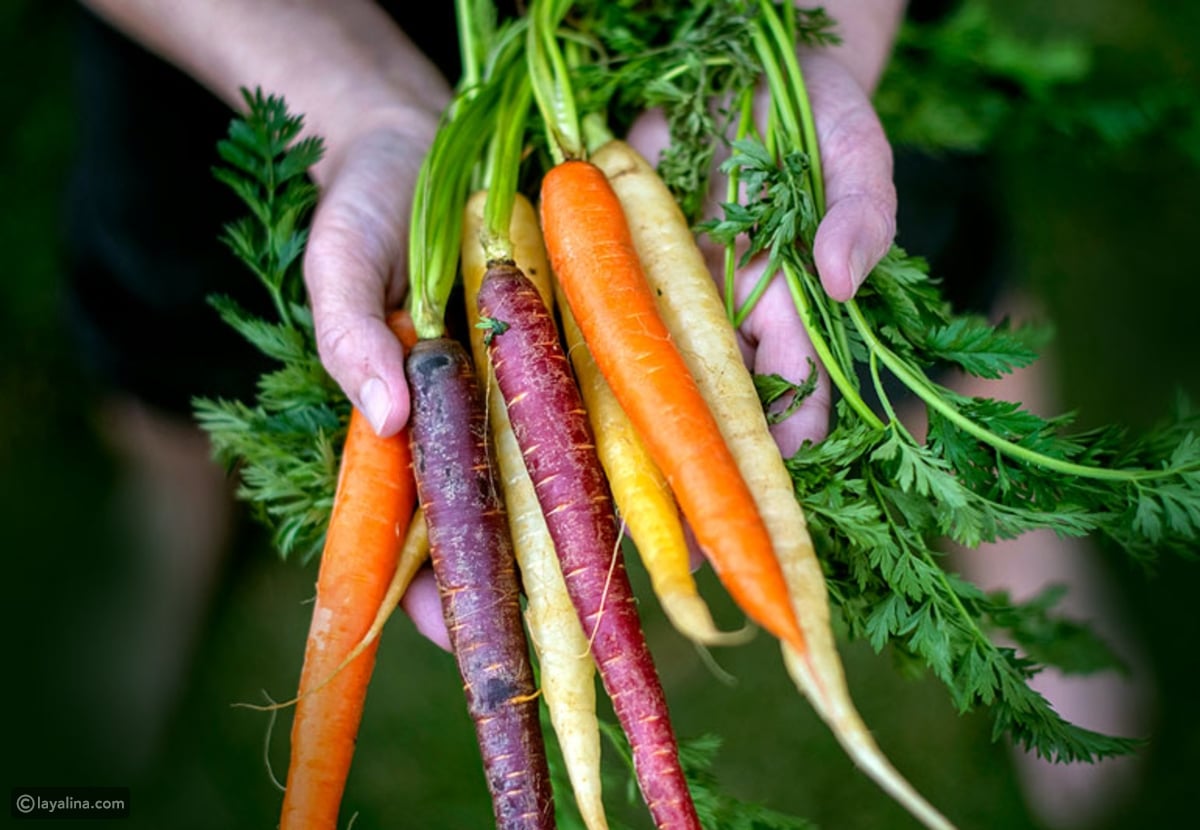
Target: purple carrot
{"points": [[551, 426], [473, 563]]}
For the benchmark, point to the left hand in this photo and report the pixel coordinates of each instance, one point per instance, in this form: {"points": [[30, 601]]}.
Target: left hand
{"points": [[856, 231]]}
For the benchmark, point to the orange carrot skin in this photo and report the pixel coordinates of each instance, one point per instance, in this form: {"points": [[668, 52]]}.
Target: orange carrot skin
{"points": [[473, 562], [373, 504], [592, 253], [548, 418]]}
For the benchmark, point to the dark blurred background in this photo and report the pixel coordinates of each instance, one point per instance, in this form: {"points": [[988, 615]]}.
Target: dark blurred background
{"points": [[1107, 246]]}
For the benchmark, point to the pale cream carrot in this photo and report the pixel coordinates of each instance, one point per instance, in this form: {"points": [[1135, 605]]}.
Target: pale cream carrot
{"points": [[691, 308]]}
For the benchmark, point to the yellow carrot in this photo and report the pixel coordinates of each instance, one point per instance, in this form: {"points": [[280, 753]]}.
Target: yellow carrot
{"points": [[644, 500], [567, 668], [692, 310]]}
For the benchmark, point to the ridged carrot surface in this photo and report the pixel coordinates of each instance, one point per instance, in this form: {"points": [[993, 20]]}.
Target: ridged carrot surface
{"points": [[548, 418], [473, 563], [567, 671]]}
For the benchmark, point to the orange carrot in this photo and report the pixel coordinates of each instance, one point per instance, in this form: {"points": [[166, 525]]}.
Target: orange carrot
{"points": [[373, 504], [593, 256]]}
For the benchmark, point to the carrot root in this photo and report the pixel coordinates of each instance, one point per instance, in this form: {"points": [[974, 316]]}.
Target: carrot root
{"points": [[548, 418], [472, 558], [567, 671]]}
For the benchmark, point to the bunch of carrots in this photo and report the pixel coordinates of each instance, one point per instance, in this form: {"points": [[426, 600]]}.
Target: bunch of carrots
{"points": [[598, 390]]}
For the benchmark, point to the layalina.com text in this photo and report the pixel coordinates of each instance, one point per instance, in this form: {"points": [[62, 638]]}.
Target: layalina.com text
{"points": [[69, 802]]}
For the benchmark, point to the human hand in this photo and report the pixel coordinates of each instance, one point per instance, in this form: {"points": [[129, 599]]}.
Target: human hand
{"points": [[355, 265], [854, 234]]}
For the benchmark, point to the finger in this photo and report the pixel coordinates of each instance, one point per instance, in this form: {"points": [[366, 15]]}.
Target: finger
{"points": [[779, 346], [649, 134], [856, 158], [355, 271], [424, 607]]}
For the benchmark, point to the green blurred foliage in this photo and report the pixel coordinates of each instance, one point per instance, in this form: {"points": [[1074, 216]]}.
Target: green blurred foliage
{"points": [[1104, 241]]}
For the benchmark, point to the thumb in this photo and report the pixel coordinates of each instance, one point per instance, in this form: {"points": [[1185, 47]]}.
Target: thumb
{"points": [[354, 270], [354, 342]]}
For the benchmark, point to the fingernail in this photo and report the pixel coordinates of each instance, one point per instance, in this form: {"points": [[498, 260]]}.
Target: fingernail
{"points": [[860, 265], [376, 404]]}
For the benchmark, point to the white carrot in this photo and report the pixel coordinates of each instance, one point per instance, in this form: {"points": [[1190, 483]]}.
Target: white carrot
{"points": [[692, 310]]}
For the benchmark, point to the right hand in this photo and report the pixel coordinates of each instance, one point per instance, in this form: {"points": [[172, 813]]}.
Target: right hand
{"points": [[356, 261]]}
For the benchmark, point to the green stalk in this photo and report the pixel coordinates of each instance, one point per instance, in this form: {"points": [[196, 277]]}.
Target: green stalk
{"points": [[789, 93], [920, 384], [840, 380], [732, 185], [468, 14], [443, 186], [504, 159], [551, 81], [776, 83], [756, 293]]}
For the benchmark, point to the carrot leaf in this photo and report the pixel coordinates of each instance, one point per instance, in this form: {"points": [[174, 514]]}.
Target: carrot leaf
{"points": [[717, 808], [266, 165], [774, 389], [284, 444], [881, 500]]}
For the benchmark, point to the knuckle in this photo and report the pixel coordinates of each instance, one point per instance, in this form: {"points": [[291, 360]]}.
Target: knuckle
{"points": [[335, 345]]}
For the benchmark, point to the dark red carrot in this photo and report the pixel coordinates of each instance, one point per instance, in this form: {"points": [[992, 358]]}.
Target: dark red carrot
{"points": [[473, 563], [551, 425]]}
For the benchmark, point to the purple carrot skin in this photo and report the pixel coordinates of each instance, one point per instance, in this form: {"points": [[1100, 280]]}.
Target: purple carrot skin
{"points": [[472, 559], [552, 428]]}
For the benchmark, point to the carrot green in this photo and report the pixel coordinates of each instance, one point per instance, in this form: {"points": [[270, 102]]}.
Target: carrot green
{"points": [[879, 500]]}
